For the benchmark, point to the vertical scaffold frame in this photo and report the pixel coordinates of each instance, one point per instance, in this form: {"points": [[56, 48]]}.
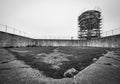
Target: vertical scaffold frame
{"points": [[89, 23]]}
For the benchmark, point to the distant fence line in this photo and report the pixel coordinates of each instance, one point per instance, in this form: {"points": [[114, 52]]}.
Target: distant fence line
{"points": [[15, 31], [57, 37], [111, 32], [12, 30]]}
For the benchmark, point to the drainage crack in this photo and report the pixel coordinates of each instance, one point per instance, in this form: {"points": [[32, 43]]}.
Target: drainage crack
{"points": [[12, 68], [3, 62], [109, 64], [113, 58], [105, 63]]}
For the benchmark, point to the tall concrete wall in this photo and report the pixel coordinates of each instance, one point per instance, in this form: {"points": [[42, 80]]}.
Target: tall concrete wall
{"points": [[11, 40], [57, 42], [111, 42]]}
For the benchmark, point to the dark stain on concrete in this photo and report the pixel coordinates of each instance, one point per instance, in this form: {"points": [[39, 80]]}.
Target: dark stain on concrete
{"points": [[46, 68]]}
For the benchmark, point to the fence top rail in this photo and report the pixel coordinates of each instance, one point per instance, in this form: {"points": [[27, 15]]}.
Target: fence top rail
{"points": [[13, 30]]}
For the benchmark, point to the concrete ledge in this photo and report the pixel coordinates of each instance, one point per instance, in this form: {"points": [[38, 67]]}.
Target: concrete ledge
{"points": [[105, 71]]}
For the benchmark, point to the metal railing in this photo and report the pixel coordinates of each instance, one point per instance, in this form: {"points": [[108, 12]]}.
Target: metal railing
{"points": [[12, 30], [58, 37], [15, 31], [111, 32]]}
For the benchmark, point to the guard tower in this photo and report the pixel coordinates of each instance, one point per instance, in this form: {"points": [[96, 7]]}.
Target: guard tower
{"points": [[89, 25]]}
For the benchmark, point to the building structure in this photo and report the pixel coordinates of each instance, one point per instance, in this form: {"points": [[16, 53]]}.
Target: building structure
{"points": [[89, 25]]}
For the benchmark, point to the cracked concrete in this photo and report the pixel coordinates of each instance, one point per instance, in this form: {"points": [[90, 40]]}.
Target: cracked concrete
{"points": [[106, 70], [14, 71]]}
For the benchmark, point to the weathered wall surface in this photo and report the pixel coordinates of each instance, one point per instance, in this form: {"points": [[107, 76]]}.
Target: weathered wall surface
{"points": [[58, 42], [11, 40], [111, 41]]}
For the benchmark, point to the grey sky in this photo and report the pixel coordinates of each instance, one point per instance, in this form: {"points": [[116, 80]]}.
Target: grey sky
{"points": [[55, 17]]}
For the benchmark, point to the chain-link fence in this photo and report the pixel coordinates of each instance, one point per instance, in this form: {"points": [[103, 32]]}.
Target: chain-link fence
{"points": [[110, 32]]}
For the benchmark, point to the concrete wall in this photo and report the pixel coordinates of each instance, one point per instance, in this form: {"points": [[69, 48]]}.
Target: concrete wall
{"points": [[57, 42], [11, 40], [111, 41]]}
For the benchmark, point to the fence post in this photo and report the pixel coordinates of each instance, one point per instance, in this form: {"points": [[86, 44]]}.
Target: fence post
{"points": [[71, 38], [112, 32], [6, 28], [13, 30], [19, 32], [24, 33]]}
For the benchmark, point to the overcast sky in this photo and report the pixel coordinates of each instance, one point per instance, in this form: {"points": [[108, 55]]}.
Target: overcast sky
{"points": [[55, 17]]}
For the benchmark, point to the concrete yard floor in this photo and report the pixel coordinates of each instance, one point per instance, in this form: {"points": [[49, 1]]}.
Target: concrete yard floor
{"points": [[106, 70]]}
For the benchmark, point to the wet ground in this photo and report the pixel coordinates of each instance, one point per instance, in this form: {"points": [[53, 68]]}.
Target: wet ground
{"points": [[34, 65]]}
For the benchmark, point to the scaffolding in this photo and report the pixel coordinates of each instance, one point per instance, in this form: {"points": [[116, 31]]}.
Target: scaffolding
{"points": [[89, 25]]}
